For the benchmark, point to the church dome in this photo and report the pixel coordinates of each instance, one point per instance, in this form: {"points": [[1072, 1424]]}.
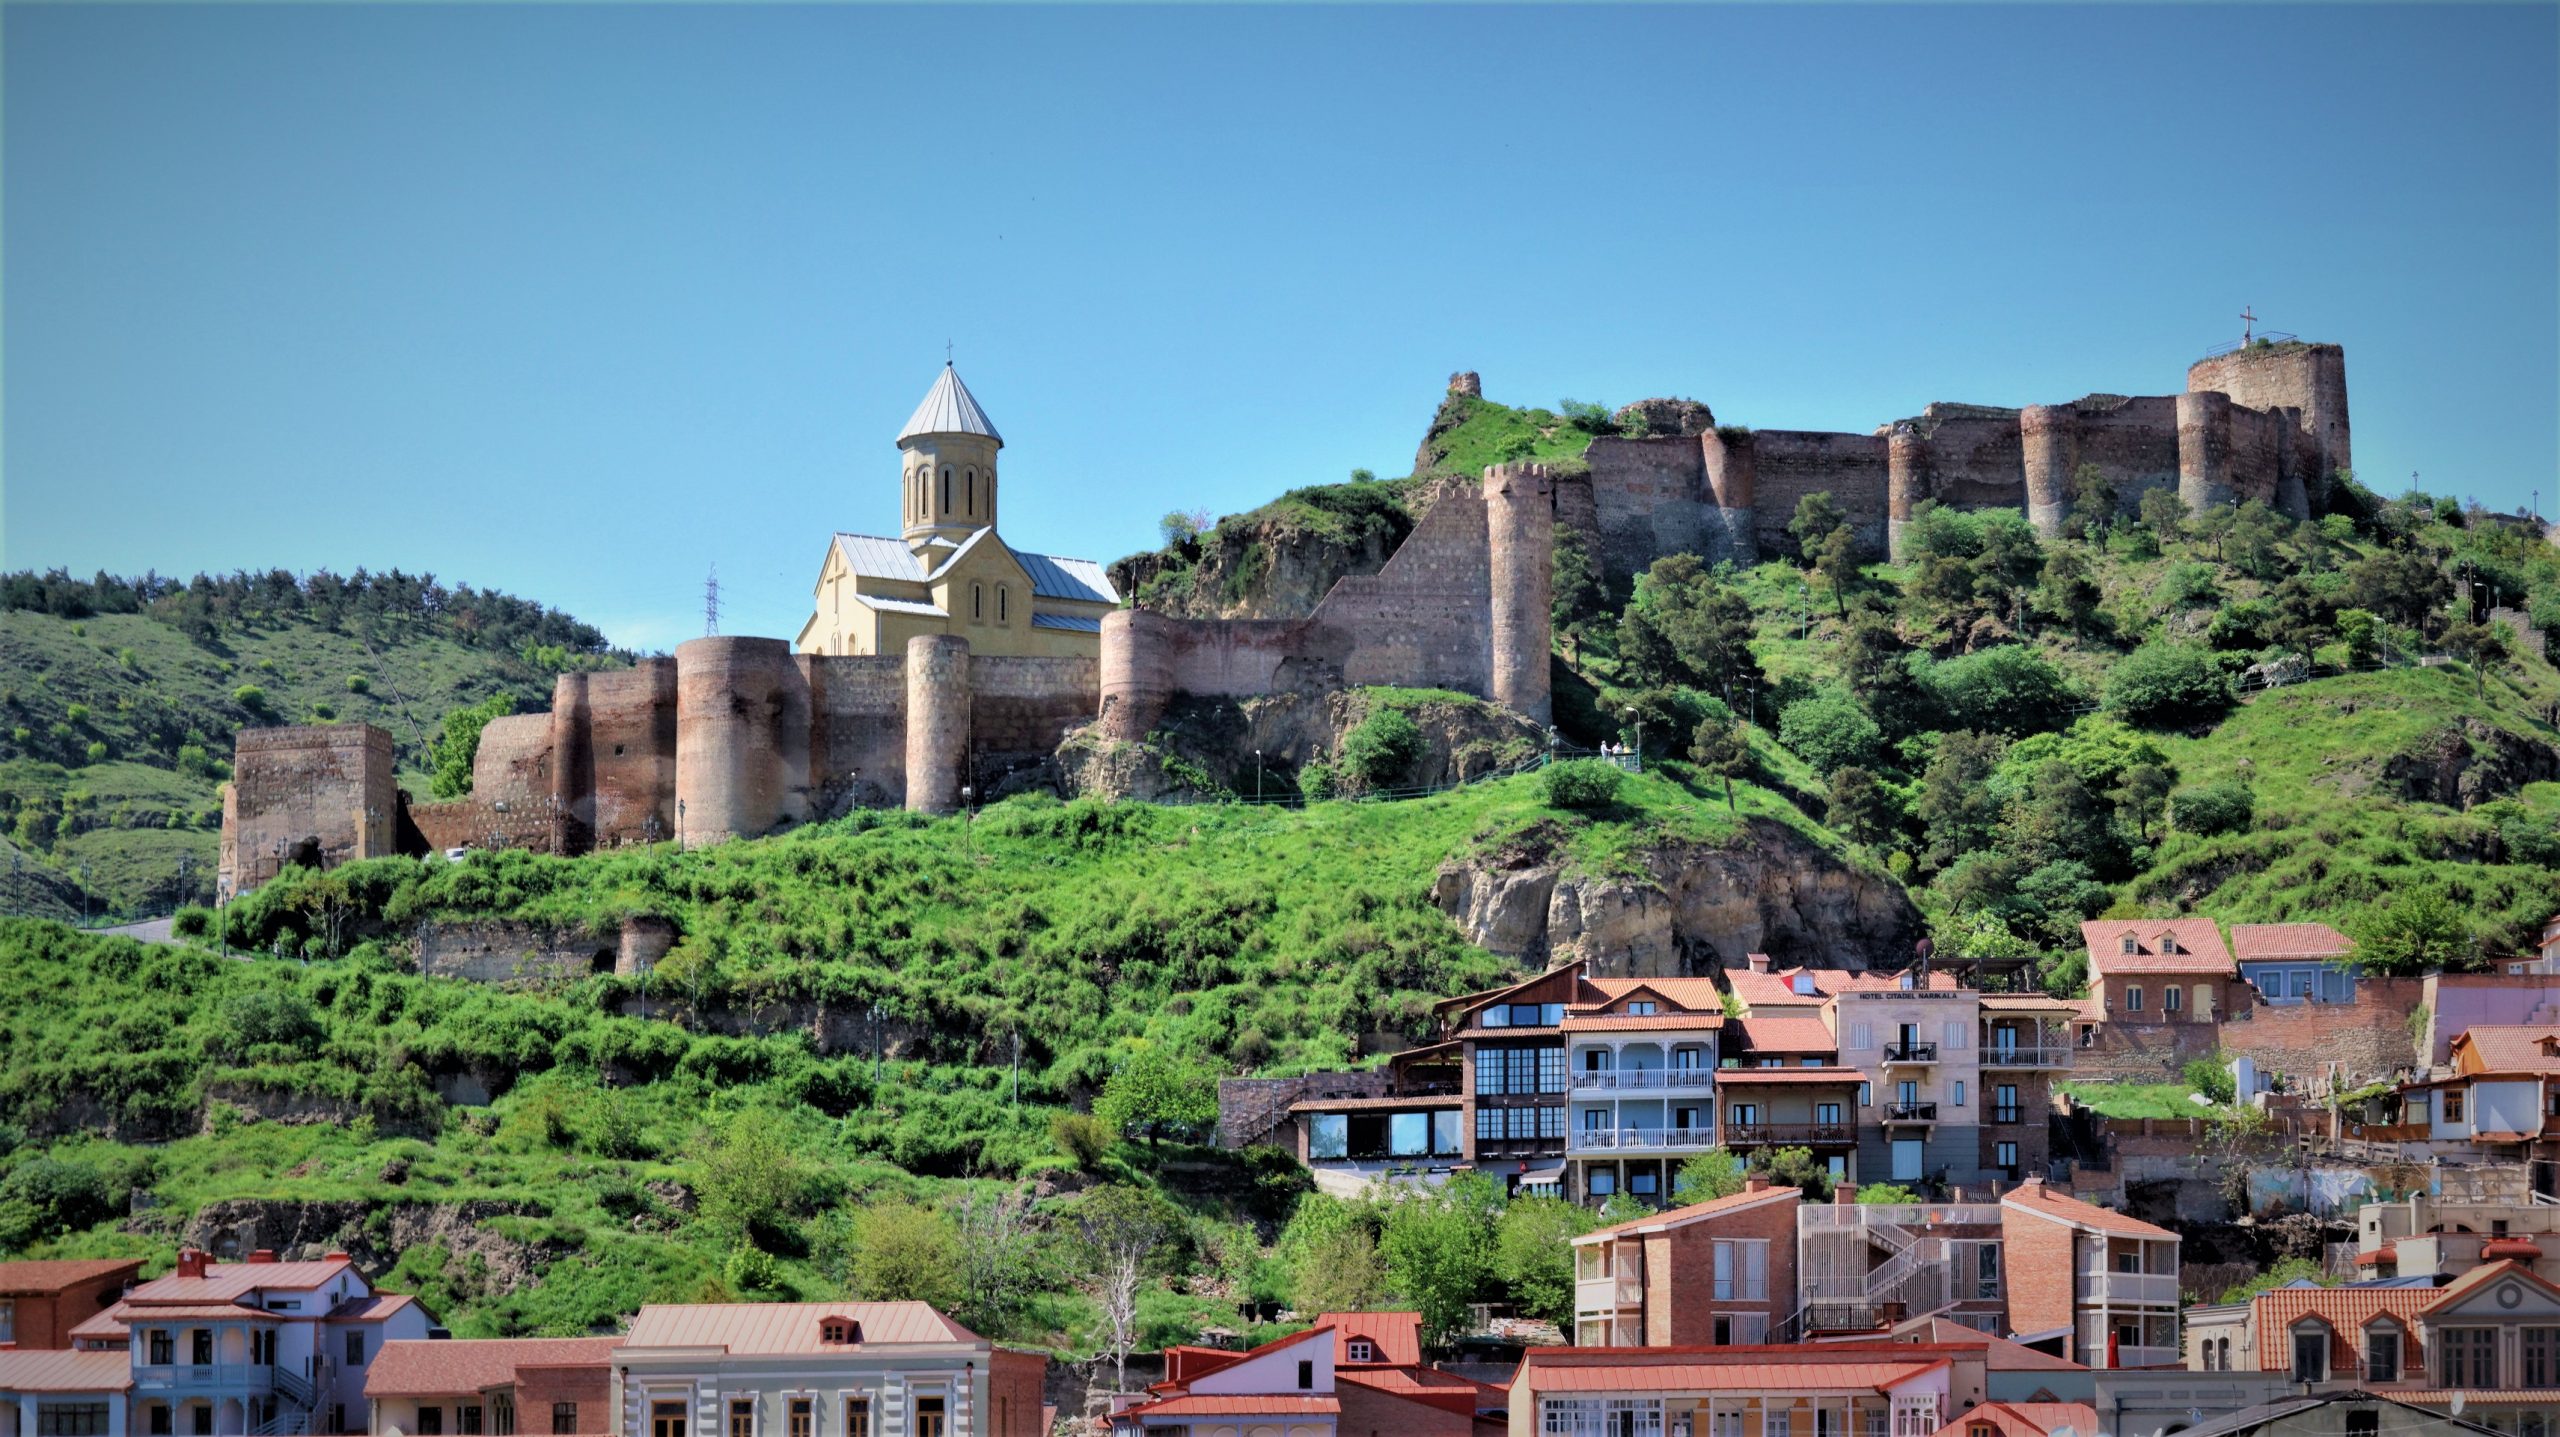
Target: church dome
{"points": [[949, 408]]}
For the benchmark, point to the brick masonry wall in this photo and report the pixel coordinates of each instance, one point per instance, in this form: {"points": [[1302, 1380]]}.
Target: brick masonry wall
{"points": [[45, 1322], [1794, 463], [1368, 1412], [2132, 1052], [1648, 496], [590, 1389], [2367, 1039], [2134, 442], [629, 794], [2039, 1255], [501, 951], [1256, 1110], [1977, 463], [858, 737], [1019, 708], [1680, 1307], [1423, 620], [306, 794]]}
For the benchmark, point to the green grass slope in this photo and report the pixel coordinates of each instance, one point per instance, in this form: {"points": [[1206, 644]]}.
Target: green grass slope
{"points": [[116, 729]]}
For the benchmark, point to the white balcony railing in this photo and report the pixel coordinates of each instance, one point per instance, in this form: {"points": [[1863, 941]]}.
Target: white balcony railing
{"points": [[1606, 1294], [1995, 1056], [2143, 1287], [1642, 1080], [2149, 1357], [1652, 1140], [207, 1377]]}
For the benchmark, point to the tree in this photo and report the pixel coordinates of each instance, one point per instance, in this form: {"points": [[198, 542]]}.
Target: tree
{"points": [[2164, 514], [1685, 625], [2483, 647], [2404, 587], [1153, 1094], [2093, 503], [2055, 817], [453, 751], [2361, 632], [2007, 688], [1182, 526], [1830, 729], [1959, 810], [1707, 1176], [1438, 1248], [1818, 516], [2141, 795], [1719, 749], [2417, 931], [2224, 806], [2167, 682], [1877, 667], [1533, 1254], [1795, 1168], [1886, 1194], [1580, 598], [1860, 810], [998, 1259], [906, 1252], [1383, 747], [2257, 539], [1122, 1232], [748, 1186], [1837, 562], [2212, 527], [2067, 595], [2304, 617]]}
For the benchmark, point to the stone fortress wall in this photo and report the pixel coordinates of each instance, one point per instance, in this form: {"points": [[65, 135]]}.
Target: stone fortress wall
{"points": [[2265, 422]]}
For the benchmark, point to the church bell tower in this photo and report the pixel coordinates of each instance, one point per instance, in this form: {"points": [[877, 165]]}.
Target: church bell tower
{"points": [[947, 464]]}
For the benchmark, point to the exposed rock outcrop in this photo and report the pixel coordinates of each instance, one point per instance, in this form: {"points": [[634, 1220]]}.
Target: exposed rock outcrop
{"points": [[1279, 561], [374, 1235], [1666, 418], [1687, 908], [1206, 748], [2469, 763]]}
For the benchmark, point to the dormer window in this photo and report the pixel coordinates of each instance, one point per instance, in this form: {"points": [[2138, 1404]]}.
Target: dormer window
{"points": [[1803, 985], [1360, 1349], [2169, 943], [839, 1331], [1640, 1009], [2131, 946]]}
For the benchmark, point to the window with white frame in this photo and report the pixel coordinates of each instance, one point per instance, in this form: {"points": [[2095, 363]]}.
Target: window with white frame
{"points": [[2133, 1000], [2311, 1352], [1773, 1422], [1915, 1416], [1360, 1349]]}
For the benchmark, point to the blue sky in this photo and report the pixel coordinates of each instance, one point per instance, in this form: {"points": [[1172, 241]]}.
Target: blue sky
{"points": [[580, 301]]}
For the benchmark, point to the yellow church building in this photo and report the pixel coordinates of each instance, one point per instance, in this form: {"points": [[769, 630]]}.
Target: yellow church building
{"points": [[948, 572]]}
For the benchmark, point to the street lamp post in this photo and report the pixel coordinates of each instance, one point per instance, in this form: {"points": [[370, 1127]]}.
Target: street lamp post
{"points": [[1257, 775], [1637, 719]]}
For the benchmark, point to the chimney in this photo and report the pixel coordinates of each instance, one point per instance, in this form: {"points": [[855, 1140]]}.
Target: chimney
{"points": [[264, 1254], [190, 1262], [1759, 962], [335, 1256], [1755, 1184], [1844, 1194]]}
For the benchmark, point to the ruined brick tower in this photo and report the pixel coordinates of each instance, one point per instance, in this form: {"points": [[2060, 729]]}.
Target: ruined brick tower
{"points": [[1520, 546]]}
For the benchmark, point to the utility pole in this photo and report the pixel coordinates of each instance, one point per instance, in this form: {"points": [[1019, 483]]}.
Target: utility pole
{"points": [[711, 602]]}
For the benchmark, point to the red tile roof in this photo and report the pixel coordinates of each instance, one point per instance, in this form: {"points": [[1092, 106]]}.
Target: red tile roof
{"points": [[370, 1309], [230, 1281], [63, 1370], [2505, 1048], [431, 1369], [1237, 1405], [786, 1327], [2027, 1419], [1643, 1022], [1397, 1335], [34, 1279], [1787, 1035], [2252, 942], [2199, 942], [1728, 1077], [1727, 1376], [1414, 1381], [1777, 989], [2452, 1293], [2345, 1309], [129, 1313], [1699, 994], [1681, 1216], [1999, 1353], [2032, 1196]]}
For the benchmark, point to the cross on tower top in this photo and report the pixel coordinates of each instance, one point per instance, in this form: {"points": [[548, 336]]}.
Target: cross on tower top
{"points": [[2247, 319]]}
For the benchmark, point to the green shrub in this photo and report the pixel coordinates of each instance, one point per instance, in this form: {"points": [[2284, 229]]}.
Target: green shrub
{"points": [[77, 713], [2188, 585], [2004, 689], [250, 697], [1581, 783], [359, 684], [1316, 780], [2211, 808], [1382, 749], [97, 751], [2242, 627], [1082, 1137], [1830, 729], [2209, 1076], [2164, 683]]}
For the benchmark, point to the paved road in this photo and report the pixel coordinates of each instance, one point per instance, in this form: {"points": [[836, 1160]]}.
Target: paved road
{"points": [[150, 930]]}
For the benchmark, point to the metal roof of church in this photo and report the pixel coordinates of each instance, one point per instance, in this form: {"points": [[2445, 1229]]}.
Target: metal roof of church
{"points": [[949, 408], [1053, 577]]}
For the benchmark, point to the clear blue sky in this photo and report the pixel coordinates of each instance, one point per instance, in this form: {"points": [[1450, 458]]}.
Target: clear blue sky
{"points": [[579, 301]]}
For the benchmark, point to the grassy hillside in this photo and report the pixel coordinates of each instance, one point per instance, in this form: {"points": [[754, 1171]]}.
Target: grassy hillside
{"points": [[116, 727]]}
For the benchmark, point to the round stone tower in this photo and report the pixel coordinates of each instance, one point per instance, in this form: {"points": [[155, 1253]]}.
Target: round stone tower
{"points": [[937, 721], [2291, 375], [1733, 487], [2052, 436], [742, 739], [1520, 540], [947, 469], [1137, 675], [573, 766], [2204, 450], [1906, 483]]}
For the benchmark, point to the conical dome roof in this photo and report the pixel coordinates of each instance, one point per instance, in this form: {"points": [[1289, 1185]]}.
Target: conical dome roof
{"points": [[949, 408]]}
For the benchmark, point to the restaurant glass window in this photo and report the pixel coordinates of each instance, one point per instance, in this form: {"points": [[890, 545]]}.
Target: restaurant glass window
{"points": [[1445, 1134], [1329, 1135], [1408, 1135]]}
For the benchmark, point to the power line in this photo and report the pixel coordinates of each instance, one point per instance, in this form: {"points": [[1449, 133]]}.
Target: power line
{"points": [[711, 602]]}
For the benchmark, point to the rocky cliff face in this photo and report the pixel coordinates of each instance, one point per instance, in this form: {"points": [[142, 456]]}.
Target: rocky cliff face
{"points": [[2468, 763], [1205, 747], [1687, 909], [1279, 561], [373, 1234]]}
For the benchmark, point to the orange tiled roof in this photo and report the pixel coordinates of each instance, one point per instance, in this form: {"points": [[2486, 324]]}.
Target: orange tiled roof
{"points": [[2198, 939], [1643, 1022], [2033, 1196], [29, 1279], [2479, 1277], [2345, 1309], [1237, 1405], [231, 1281], [1787, 1035], [1397, 1335], [2253, 942], [1870, 1376], [428, 1369], [2506, 1048], [1699, 994], [1675, 1217], [2026, 1419]]}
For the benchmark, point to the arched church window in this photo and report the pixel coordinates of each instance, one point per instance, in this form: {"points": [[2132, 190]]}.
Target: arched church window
{"points": [[977, 601], [969, 490], [946, 491], [1004, 598]]}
